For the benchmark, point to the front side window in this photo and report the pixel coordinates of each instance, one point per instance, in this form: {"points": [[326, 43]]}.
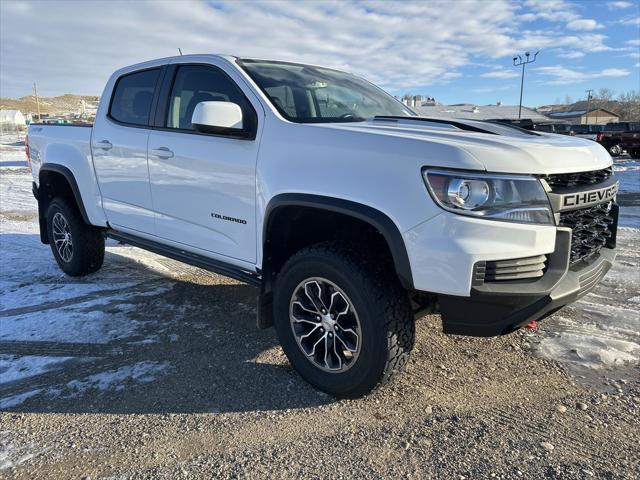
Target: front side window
{"points": [[132, 97], [308, 94], [194, 84]]}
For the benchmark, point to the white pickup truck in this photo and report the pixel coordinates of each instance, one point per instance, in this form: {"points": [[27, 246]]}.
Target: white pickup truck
{"points": [[352, 215]]}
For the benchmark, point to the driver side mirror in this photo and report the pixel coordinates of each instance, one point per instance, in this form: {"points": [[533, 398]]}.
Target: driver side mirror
{"points": [[217, 117]]}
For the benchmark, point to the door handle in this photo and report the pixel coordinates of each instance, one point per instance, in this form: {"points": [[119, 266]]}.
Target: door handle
{"points": [[103, 145], [162, 152]]}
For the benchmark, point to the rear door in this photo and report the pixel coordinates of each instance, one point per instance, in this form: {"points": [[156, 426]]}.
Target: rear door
{"points": [[119, 147], [203, 185]]}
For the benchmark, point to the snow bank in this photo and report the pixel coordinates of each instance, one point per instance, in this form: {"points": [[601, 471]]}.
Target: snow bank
{"points": [[602, 330]]}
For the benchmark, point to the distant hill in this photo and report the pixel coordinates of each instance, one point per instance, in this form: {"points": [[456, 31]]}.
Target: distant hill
{"points": [[62, 104]]}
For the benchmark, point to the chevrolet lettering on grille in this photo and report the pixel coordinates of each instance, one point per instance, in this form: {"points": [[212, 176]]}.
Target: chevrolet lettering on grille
{"points": [[562, 202]]}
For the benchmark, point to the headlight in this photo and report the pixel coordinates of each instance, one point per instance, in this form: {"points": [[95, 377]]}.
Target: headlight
{"points": [[510, 198]]}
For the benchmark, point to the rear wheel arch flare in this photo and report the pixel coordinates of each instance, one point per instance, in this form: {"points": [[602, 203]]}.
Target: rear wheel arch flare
{"points": [[58, 180]]}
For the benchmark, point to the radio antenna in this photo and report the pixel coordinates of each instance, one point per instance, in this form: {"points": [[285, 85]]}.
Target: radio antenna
{"points": [[180, 51]]}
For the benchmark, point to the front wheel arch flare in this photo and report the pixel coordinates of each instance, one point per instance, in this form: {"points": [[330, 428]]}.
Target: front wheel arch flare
{"points": [[370, 215]]}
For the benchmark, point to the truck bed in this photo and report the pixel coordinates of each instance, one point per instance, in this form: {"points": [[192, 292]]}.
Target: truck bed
{"points": [[61, 142]]}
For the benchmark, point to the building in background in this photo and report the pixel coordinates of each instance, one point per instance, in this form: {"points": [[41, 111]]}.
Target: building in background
{"points": [[479, 112], [598, 116], [12, 121]]}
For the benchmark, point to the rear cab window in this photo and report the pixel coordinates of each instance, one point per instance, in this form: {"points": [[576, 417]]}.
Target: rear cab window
{"points": [[133, 96]]}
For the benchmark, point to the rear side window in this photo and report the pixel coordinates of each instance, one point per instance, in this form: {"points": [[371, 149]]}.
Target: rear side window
{"points": [[132, 97]]}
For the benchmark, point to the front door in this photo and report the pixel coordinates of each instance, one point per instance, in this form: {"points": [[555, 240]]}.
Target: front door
{"points": [[203, 185], [119, 148]]}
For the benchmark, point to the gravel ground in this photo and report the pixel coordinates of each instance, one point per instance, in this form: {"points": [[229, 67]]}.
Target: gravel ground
{"points": [[153, 369], [230, 406]]}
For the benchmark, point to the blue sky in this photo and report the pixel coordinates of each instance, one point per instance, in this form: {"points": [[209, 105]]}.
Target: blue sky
{"points": [[456, 50]]}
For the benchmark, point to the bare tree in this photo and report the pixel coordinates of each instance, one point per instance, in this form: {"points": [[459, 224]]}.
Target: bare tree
{"points": [[629, 106], [605, 95]]}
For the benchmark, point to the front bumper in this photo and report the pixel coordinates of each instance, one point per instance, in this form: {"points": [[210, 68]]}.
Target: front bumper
{"points": [[499, 308]]}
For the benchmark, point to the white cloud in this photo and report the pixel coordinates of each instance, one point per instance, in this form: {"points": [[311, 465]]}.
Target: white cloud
{"points": [[619, 5], [631, 21], [572, 54], [501, 73], [393, 44], [550, 10], [560, 75], [73, 46], [583, 24], [634, 42]]}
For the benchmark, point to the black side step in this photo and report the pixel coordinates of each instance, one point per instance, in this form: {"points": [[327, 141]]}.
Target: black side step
{"points": [[190, 258]]}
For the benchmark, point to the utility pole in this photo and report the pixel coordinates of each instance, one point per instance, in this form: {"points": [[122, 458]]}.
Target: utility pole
{"points": [[517, 61], [589, 97], [35, 94]]}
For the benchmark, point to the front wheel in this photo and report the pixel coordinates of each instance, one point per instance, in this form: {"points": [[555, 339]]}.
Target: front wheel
{"points": [[345, 323], [77, 247]]}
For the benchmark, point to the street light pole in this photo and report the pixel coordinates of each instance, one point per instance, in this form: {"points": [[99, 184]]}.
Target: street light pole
{"points": [[517, 61], [589, 96]]}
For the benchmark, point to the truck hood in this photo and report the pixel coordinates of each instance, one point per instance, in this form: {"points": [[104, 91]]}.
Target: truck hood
{"points": [[499, 148]]}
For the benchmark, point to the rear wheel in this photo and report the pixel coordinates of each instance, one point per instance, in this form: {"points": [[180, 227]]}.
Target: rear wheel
{"points": [[77, 247], [345, 323]]}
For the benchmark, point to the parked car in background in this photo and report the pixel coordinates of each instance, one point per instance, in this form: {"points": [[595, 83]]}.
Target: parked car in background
{"points": [[630, 141], [525, 123], [586, 131], [561, 128], [611, 136]]}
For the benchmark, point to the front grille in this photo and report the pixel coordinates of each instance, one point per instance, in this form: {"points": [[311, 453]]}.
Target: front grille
{"points": [[513, 269], [592, 227], [578, 179]]}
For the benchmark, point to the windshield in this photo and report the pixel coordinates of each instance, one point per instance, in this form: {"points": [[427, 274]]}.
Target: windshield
{"points": [[307, 94]]}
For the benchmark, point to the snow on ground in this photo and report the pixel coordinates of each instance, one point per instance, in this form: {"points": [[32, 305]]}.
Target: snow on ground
{"points": [[601, 330], [12, 153], [628, 171], [13, 453], [49, 322], [16, 198], [58, 334]]}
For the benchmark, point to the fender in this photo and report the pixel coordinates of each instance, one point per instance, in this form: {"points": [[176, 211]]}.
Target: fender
{"points": [[68, 175], [76, 161], [372, 216]]}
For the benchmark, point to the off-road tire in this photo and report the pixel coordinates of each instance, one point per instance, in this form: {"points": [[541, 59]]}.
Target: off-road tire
{"points": [[88, 241], [382, 305]]}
